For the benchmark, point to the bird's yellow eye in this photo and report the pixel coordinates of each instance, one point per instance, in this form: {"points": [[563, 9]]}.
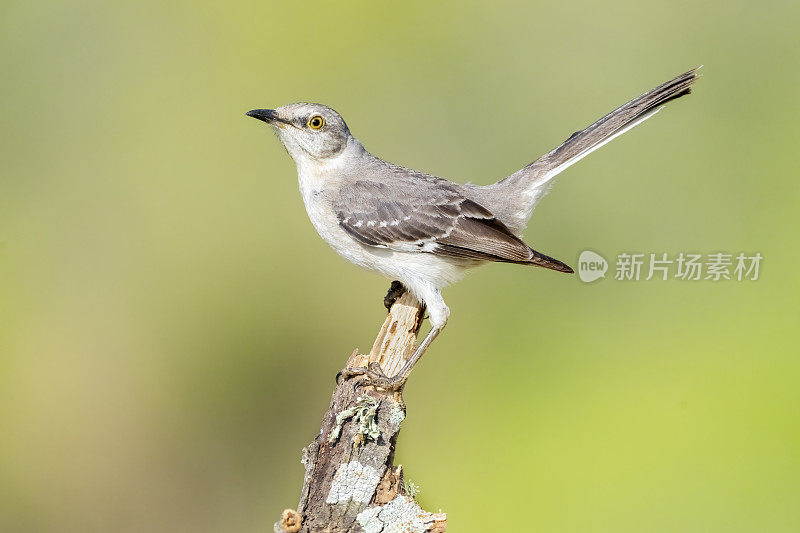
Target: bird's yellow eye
{"points": [[316, 122]]}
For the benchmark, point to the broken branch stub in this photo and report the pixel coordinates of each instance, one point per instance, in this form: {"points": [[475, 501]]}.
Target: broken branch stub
{"points": [[397, 338]]}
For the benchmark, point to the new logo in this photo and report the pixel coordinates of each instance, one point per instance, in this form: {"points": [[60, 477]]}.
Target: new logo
{"points": [[591, 266]]}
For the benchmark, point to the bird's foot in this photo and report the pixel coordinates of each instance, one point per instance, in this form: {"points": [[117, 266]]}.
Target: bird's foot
{"points": [[373, 375], [396, 290]]}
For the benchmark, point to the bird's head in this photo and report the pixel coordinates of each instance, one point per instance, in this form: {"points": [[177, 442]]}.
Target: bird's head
{"points": [[307, 130]]}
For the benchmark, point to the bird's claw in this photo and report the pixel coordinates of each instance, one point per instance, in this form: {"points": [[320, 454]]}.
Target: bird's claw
{"points": [[373, 375], [396, 290]]}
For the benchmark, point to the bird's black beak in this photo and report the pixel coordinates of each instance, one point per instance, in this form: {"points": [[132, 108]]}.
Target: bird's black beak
{"points": [[267, 115]]}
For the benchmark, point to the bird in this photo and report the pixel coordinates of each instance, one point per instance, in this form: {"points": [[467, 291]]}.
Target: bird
{"points": [[422, 230]]}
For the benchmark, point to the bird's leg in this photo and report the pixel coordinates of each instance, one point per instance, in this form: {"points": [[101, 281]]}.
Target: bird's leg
{"points": [[373, 374], [438, 315], [404, 372], [396, 290]]}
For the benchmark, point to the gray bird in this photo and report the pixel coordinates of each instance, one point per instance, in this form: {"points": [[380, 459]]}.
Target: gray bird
{"points": [[423, 230]]}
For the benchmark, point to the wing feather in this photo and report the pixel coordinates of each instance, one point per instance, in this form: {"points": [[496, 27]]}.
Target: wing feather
{"points": [[419, 213], [439, 220]]}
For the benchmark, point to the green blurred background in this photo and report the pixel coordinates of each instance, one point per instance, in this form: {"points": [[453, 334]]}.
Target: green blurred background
{"points": [[171, 324]]}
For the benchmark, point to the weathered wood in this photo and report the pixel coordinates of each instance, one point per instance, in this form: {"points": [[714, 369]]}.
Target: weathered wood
{"points": [[397, 338], [351, 483]]}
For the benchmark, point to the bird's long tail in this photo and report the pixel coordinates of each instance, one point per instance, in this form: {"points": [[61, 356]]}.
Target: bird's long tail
{"points": [[532, 182]]}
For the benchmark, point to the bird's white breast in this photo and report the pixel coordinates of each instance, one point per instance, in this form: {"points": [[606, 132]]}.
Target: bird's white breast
{"points": [[316, 181]]}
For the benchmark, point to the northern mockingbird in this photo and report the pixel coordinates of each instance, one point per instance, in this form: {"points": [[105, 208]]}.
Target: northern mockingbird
{"points": [[420, 229]]}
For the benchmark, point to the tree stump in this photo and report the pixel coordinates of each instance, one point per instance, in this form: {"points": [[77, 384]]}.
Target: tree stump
{"points": [[351, 483]]}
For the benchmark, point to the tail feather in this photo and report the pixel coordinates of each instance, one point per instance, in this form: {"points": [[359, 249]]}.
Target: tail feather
{"points": [[532, 181], [582, 143]]}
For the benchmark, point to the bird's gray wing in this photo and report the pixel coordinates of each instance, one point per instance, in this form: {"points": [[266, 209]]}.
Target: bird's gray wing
{"points": [[430, 216]]}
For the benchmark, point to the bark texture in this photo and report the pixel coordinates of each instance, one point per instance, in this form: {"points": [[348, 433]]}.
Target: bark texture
{"points": [[351, 483]]}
